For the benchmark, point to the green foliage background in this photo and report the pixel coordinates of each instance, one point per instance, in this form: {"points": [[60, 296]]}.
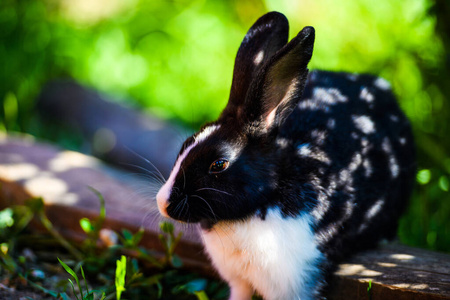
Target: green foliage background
{"points": [[175, 58]]}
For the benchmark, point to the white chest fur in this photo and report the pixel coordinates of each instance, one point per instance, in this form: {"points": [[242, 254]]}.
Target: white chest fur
{"points": [[278, 257]]}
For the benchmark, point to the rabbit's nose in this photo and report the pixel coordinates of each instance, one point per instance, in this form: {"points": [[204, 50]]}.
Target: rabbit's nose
{"points": [[162, 199]]}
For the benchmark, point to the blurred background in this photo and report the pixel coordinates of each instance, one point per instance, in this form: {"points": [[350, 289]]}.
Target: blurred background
{"points": [[174, 59]]}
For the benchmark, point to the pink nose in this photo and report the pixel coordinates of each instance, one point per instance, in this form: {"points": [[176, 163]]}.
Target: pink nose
{"points": [[162, 199]]}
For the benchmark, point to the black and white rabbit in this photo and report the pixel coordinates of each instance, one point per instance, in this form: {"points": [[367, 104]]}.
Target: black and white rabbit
{"points": [[298, 171]]}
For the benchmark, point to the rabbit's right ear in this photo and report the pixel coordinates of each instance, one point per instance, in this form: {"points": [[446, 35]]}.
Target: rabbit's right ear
{"points": [[268, 35]]}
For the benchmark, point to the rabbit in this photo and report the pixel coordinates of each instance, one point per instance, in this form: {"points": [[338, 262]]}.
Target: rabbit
{"points": [[300, 170]]}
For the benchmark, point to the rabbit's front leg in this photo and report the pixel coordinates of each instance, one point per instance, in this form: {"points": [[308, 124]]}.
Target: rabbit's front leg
{"points": [[240, 290]]}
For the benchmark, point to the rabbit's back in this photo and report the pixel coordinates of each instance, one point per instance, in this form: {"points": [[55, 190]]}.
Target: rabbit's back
{"points": [[354, 152]]}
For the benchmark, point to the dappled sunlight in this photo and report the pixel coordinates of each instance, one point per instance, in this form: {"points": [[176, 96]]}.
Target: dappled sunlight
{"points": [[386, 265], [391, 261], [20, 171], [52, 189], [421, 286], [356, 269], [44, 171], [402, 257], [394, 266], [67, 160]]}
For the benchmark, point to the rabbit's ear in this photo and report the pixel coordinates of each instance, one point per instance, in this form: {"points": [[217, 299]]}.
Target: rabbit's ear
{"points": [[262, 41], [278, 86]]}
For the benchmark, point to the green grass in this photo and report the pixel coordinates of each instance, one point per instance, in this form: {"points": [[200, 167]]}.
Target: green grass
{"points": [[112, 274]]}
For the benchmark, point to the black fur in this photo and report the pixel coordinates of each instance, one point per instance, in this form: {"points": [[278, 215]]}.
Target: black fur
{"points": [[333, 145]]}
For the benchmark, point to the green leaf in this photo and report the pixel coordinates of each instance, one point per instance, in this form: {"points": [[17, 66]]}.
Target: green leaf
{"points": [[134, 266], [175, 241], [444, 183], [127, 235], [99, 292], [137, 237], [73, 274], [68, 269], [84, 278], [47, 291], [63, 296], [160, 289], [153, 280], [8, 263], [164, 242], [121, 269], [191, 287], [6, 218], [73, 288], [36, 204], [369, 290], [423, 176], [86, 225], [176, 261], [23, 216], [166, 227], [89, 296], [10, 109], [201, 295], [196, 285], [102, 215]]}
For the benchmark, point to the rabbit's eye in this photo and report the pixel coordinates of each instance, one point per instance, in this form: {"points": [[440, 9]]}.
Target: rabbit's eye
{"points": [[218, 166]]}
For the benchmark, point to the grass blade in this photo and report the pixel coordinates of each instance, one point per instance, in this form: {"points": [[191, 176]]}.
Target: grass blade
{"points": [[84, 278], [73, 274], [121, 270], [201, 295], [49, 226], [73, 288]]}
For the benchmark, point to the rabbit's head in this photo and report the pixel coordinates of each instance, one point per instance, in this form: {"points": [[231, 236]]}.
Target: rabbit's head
{"points": [[228, 170]]}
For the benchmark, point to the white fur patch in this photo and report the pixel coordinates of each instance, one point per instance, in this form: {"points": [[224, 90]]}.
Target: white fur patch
{"points": [[368, 167], [366, 95], [393, 164], [382, 83], [202, 135], [162, 198], [364, 123], [304, 149], [258, 57], [371, 212], [331, 96], [278, 257], [375, 209]]}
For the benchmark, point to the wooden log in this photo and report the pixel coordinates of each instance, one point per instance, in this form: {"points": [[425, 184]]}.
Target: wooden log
{"points": [[31, 169], [395, 272], [64, 178], [115, 133]]}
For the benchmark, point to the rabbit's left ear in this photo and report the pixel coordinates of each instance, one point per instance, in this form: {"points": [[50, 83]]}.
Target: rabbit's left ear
{"points": [[268, 35], [278, 86]]}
